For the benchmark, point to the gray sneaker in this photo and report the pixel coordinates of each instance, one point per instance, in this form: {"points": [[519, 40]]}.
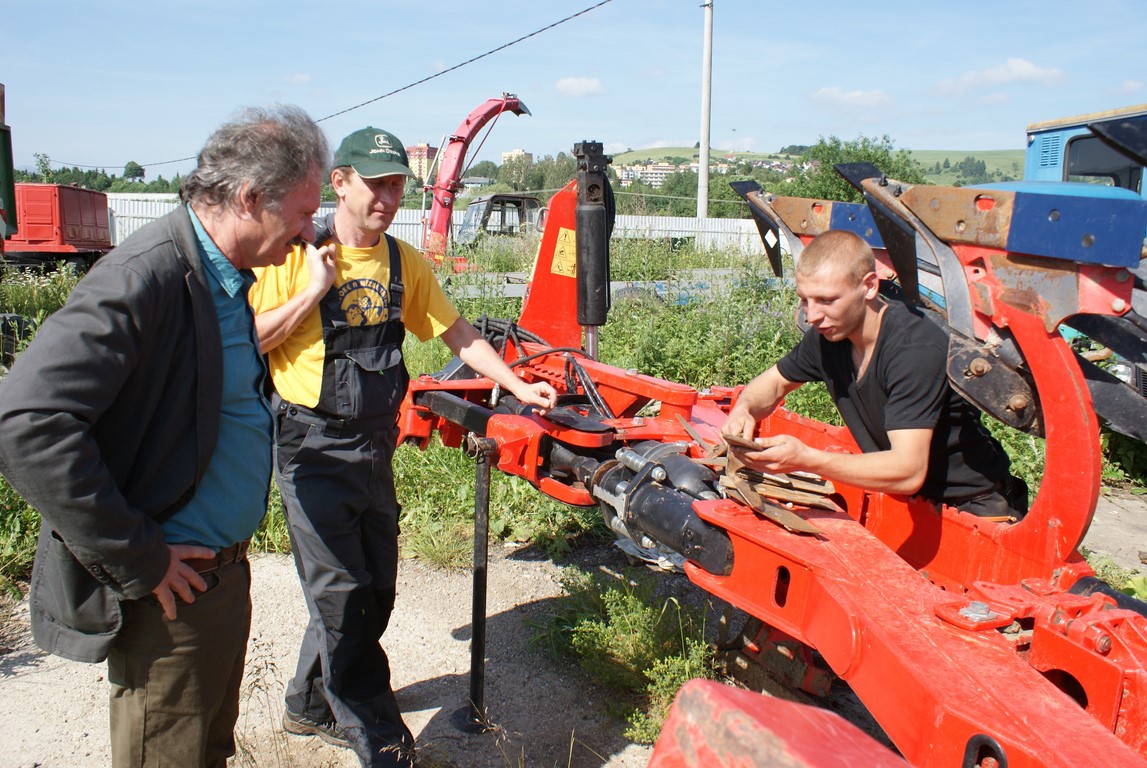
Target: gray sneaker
{"points": [[300, 725]]}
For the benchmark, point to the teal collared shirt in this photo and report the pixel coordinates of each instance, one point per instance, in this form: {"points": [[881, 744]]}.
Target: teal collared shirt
{"points": [[231, 498]]}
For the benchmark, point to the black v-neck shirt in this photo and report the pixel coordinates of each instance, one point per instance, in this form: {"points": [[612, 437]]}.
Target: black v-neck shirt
{"points": [[905, 386]]}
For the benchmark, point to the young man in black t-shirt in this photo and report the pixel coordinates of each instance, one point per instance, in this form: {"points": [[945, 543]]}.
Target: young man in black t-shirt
{"points": [[884, 365]]}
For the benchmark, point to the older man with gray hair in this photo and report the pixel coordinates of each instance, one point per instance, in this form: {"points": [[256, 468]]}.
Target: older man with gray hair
{"points": [[136, 424]]}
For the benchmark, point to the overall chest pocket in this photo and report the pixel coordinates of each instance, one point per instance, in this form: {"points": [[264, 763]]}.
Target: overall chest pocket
{"points": [[370, 381]]}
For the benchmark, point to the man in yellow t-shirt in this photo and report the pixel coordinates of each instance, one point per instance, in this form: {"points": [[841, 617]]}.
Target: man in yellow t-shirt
{"points": [[332, 321]]}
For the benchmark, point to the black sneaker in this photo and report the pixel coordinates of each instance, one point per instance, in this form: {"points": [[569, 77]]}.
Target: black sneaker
{"points": [[300, 725]]}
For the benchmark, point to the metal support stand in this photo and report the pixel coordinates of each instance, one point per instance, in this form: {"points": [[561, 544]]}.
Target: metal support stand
{"points": [[472, 717]]}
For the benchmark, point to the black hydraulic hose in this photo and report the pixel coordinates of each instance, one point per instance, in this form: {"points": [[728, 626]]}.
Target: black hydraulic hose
{"points": [[508, 327], [1089, 585], [549, 351], [511, 332], [591, 391]]}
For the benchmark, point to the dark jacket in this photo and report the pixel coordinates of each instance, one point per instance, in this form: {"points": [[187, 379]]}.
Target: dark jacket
{"points": [[107, 422]]}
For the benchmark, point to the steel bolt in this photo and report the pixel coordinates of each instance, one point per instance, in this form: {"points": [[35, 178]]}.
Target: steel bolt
{"points": [[1018, 403], [1118, 305], [979, 367], [1103, 644]]}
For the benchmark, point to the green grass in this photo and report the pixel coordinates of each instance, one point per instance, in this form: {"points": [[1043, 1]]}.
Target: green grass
{"points": [[640, 647], [19, 526], [1126, 580]]}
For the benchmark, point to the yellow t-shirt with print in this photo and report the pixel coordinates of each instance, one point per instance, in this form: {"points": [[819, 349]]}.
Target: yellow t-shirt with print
{"points": [[362, 279]]}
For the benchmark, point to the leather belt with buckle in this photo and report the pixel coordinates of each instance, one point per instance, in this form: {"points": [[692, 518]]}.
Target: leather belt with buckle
{"points": [[232, 554]]}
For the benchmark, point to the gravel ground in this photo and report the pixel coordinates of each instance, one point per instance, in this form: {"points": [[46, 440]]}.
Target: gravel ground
{"points": [[53, 712]]}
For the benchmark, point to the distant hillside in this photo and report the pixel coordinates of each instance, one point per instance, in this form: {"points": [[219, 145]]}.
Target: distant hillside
{"points": [[1006, 162]]}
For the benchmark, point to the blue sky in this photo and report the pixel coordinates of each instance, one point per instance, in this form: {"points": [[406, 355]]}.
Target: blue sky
{"points": [[101, 84]]}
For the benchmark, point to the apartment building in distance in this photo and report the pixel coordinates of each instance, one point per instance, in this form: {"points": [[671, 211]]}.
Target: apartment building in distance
{"points": [[655, 174], [421, 157], [515, 153]]}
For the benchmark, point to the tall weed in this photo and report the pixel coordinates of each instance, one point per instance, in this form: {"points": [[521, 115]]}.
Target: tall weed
{"points": [[35, 294]]}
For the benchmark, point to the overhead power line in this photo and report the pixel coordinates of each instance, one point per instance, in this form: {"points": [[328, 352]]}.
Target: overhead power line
{"points": [[428, 78], [470, 61]]}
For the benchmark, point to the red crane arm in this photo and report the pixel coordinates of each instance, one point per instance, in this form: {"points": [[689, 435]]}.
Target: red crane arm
{"points": [[448, 183]]}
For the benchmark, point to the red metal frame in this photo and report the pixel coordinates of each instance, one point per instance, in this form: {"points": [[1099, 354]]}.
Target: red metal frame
{"points": [[958, 634]]}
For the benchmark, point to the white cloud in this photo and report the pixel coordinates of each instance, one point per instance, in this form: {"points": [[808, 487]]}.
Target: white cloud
{"points": [[579, 86], [1011, 72], [1130, 86], [838, 97], [298, 79]]}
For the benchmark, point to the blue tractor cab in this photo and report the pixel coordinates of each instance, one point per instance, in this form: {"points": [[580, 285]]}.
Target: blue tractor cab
{"points": [[1089, 148]]}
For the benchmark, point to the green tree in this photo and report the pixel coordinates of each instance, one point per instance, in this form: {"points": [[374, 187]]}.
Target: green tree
{"points": [[43, 167], [823, 182], [518, 173], [557, 171], [638, 199], [133, 171], [680, 191], [487, 169], [724, 203]]}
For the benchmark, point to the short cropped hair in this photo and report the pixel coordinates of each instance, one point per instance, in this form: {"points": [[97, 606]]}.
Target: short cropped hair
{"points": [[273, 149], [839, 249]]}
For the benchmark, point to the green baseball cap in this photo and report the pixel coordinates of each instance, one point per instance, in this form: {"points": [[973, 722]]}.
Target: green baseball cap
{"points": [[373, 153]]}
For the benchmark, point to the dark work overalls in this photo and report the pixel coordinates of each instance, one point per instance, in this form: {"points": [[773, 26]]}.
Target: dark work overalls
{"points": [[334, 470]]}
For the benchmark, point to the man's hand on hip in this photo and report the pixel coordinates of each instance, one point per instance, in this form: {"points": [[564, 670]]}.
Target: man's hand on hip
{"points": [[181, 578]]}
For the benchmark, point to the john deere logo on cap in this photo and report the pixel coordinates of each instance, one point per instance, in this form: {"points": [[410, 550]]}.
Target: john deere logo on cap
{"points": [[382, 141]]}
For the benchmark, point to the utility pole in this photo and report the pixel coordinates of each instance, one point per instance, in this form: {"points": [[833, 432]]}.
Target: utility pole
{"points": [[706, 88]]}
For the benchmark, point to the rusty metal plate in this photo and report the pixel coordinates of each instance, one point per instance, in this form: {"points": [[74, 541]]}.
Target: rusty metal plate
{"points": [[804, 216], [962, 215]]}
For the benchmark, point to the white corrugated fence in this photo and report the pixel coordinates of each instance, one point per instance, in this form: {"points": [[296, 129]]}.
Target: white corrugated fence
{"points": [[128, 212]]}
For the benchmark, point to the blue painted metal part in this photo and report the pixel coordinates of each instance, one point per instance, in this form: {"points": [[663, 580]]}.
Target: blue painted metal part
{"points": [[1062, 188], [1083, 223], [856, 218]]}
